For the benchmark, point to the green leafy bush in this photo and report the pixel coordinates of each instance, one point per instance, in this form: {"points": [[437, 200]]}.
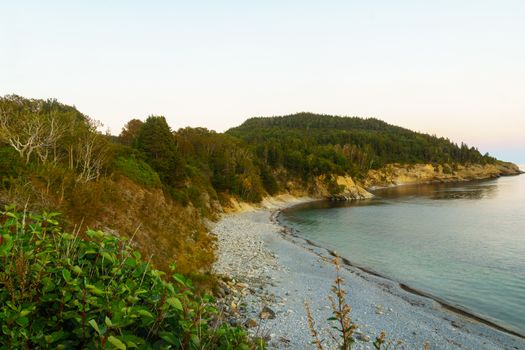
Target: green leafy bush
{"points": [[137, 170], [60, 291]]}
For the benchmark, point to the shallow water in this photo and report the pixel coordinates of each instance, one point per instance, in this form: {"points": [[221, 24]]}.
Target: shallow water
{"points": [[462, 243]]}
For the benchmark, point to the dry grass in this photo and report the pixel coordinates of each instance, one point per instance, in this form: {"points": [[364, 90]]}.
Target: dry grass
{"points": [[311, 325], [341, 316]]}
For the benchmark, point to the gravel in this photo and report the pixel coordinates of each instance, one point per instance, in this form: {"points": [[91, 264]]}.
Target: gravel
{"points": [[271, 273]]}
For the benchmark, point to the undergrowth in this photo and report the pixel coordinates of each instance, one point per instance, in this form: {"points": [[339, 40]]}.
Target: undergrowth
{"points": [[58, 291]]}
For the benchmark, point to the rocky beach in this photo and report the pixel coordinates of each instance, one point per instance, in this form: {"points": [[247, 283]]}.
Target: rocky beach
{"points": [[269, 273]]}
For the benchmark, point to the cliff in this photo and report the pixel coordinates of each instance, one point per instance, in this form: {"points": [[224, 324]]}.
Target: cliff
{"points": [[320, 188], [345, 188], [335, 187], [406, 174], [350, 190]]}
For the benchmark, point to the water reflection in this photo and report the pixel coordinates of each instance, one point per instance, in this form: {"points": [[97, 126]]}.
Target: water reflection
{"points": [[439, 191], [476, 190], [467, 193], [328, 204]]}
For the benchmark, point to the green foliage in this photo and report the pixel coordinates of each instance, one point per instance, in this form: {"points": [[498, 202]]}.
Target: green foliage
{"points": [[447, 169], [227, 164], [195, 165], [11, 165], [157, 143], [333, 187], [137, 171], [262, 155], [269, 182], [130, 132], [60, 291], [48, 132], [310, 145]]}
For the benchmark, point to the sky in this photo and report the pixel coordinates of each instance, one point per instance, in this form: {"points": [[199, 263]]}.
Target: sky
{"points": [[451, 68]]}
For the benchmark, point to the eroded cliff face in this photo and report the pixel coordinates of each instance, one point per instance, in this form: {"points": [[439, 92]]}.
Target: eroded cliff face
{"points": [[346, 188], [320, 187], [351, 190], [406, 174]]}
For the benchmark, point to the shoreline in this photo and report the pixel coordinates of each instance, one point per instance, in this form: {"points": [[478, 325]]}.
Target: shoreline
{"points": [[443, 181], [407, 288], [395, 174], [460, 311], [295, 267]]}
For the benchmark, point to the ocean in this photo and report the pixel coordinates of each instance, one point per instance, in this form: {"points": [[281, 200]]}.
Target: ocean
{"points": [[462, 243]]}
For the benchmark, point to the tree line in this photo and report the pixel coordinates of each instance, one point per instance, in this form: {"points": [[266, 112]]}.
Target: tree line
{"points": [[312, 144], [198, 165]]}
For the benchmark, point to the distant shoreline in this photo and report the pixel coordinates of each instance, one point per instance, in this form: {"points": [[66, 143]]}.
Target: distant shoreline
{"points": [[437, 182], [437, 179]]}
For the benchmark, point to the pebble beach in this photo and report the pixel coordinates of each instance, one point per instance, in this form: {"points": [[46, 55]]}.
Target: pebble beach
{"points": [[270, 273]]}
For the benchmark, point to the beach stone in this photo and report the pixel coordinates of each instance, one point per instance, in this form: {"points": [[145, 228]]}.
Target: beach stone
{"points": [[284, 339], [250, 323], [362, 337], [456, 324], [267, 313]]}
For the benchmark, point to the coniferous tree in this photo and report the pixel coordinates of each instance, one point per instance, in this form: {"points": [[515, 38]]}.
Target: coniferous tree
{"points": [[157, 142]]}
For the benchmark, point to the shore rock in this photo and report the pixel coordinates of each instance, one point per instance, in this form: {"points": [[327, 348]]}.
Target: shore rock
{"points": [[250, 323], [267, 313]]}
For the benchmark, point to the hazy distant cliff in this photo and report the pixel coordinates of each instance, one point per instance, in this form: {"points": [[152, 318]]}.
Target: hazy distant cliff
{"points": [[403, 174]]}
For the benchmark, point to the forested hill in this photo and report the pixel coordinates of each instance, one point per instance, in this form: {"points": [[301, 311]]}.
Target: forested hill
{"points": [[156, 184], [313, 143]]}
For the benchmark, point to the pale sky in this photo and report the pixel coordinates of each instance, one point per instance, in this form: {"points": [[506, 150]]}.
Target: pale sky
{"points": [[455, 68]]}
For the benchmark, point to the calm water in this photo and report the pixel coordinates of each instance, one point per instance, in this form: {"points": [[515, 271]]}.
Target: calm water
{"points": [[462, 243]]}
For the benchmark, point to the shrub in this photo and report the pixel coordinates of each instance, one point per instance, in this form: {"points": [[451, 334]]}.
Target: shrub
{"points": [[59, 291], [137, 171], [269, 181], [11, 165], [447, 169], [332, 186]]}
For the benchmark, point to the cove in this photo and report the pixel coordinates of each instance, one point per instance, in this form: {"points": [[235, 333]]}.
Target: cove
{"points": [[462, 243]]}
